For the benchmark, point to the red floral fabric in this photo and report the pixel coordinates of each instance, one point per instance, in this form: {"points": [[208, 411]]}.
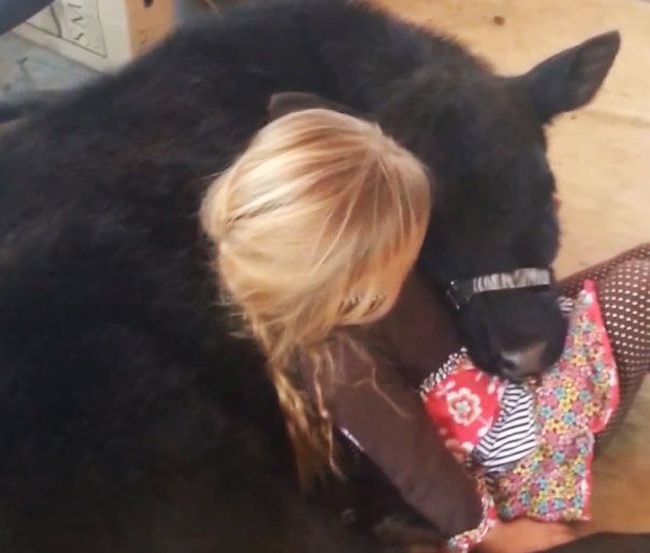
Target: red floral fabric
{"points": [[464, 405]]}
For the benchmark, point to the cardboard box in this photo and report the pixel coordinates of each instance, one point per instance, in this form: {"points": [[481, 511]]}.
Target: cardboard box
{"points": [[103, 34]]}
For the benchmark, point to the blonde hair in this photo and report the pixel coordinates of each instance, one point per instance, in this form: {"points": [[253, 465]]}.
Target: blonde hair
{"points": [[316, 226]]}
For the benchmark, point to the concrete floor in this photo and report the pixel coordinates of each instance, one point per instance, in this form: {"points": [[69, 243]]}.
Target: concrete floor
{"points": [[601, 156]]}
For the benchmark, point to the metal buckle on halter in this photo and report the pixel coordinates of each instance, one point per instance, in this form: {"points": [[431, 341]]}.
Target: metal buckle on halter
{"points": [[457, 295], [452, 295]]}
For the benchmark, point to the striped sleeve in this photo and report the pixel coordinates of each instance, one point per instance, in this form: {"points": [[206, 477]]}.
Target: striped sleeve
{"points": [[513, 435]]}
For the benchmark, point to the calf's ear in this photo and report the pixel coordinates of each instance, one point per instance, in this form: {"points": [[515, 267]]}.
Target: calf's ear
{"points": [[570, 79], [283, 103]]}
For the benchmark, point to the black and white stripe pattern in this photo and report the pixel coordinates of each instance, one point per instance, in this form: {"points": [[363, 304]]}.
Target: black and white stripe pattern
{"points": [[513, 435]]}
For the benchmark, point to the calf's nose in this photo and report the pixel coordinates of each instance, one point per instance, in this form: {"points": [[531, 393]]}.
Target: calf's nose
{"points": [[522, 363]]}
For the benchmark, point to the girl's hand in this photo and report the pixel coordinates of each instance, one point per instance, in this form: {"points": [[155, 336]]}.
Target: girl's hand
{"points": [[525, 536]]}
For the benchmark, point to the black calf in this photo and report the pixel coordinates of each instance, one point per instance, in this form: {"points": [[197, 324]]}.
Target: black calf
{"points": [[130, 419]]}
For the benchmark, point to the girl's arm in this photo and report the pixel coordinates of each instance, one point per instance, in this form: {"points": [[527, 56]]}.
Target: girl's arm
{"points": [[370, 401]]}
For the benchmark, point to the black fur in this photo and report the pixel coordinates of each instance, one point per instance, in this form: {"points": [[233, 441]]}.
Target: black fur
{"points": [[130, 419]]}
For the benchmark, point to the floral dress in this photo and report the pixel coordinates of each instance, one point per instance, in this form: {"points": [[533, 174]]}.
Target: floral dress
{"points": [[530, 447]]}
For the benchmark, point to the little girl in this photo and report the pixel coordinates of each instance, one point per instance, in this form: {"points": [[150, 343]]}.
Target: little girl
{"points": [[317, 226]]}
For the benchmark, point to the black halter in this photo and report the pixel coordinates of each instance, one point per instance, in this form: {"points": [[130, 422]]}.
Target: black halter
{"points": [[460, 292]]}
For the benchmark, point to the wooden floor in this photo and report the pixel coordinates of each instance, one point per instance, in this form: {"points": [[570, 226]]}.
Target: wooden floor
{"points": [[601, 156]]}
